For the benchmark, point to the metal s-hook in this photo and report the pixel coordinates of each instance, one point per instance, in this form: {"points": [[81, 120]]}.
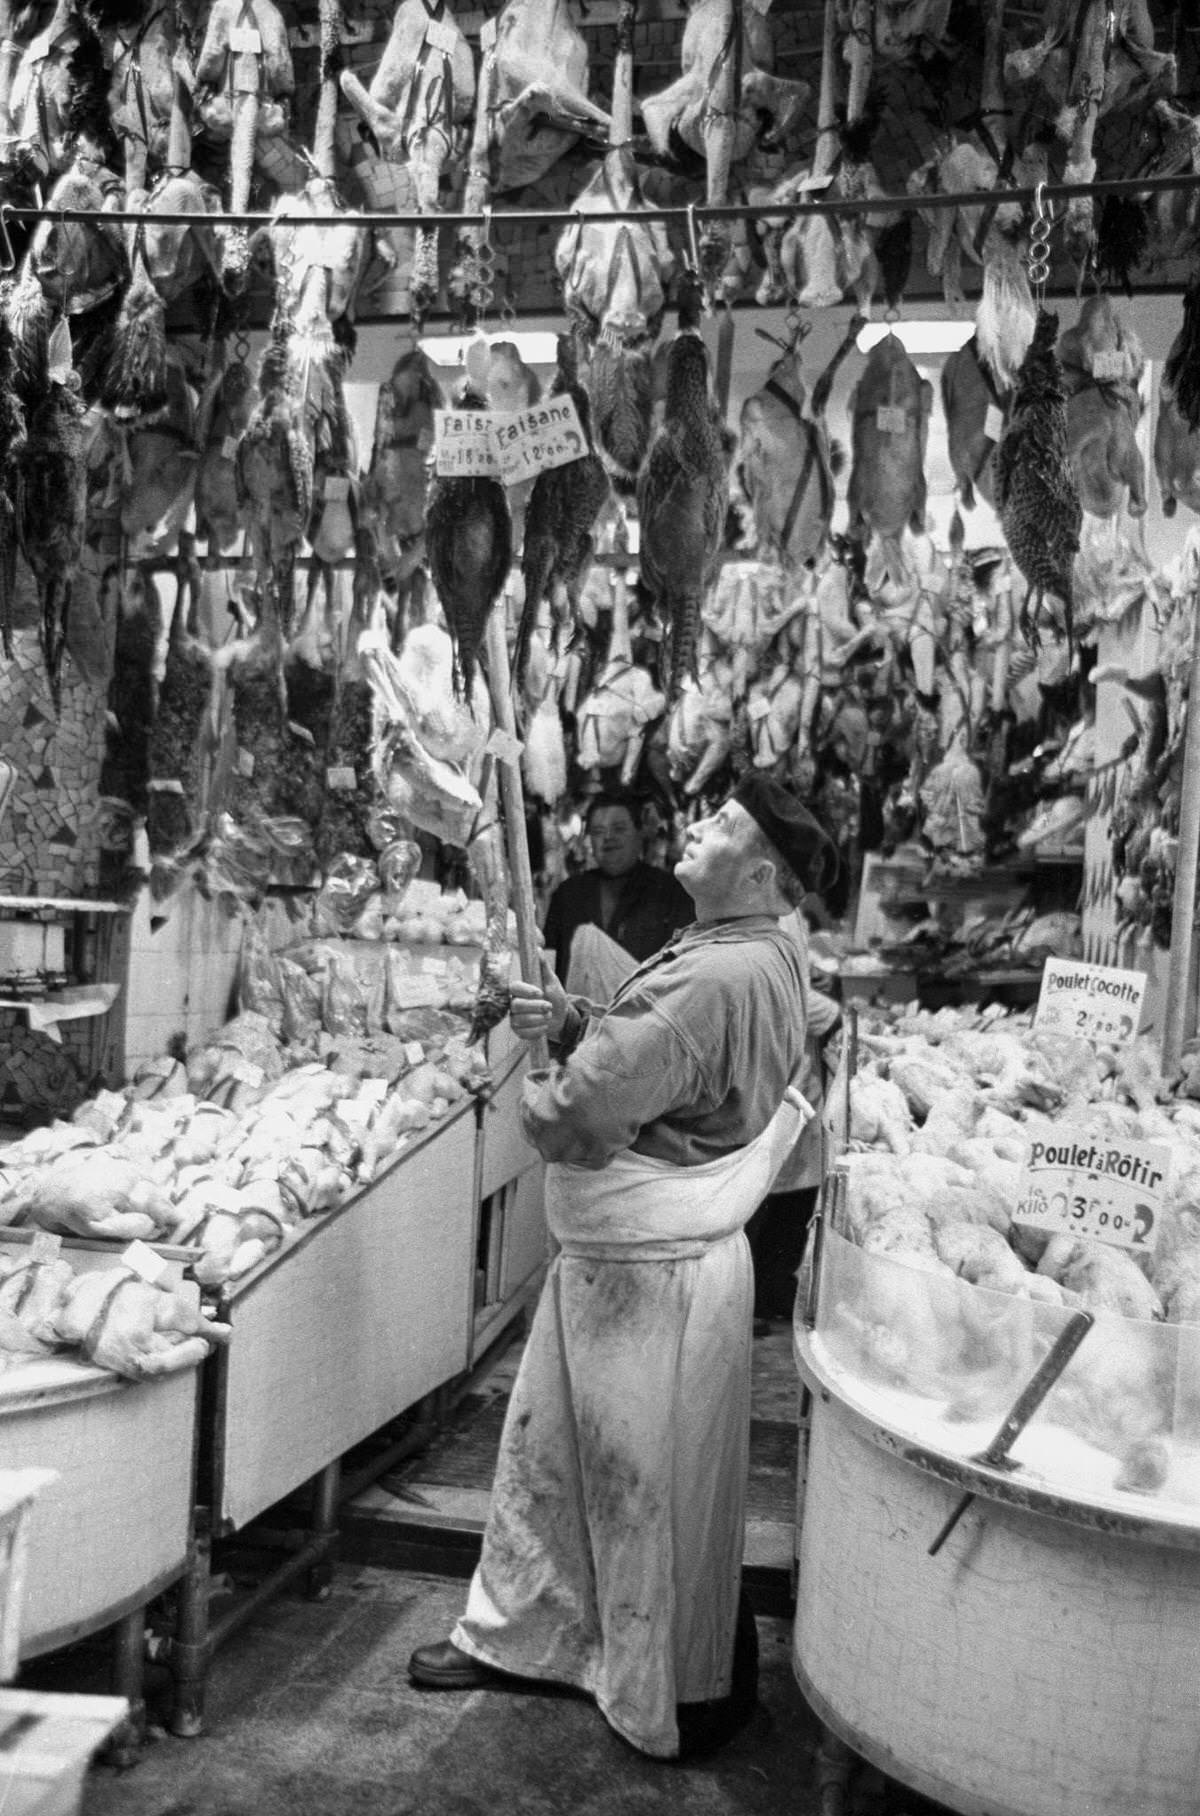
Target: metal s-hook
{"points": [[1039, 242], [693, 237], [8, 258]]}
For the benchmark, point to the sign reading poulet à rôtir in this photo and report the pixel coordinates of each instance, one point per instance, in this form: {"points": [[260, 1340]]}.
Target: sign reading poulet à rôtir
{"points": [[509, 445], [1112, 1190]]}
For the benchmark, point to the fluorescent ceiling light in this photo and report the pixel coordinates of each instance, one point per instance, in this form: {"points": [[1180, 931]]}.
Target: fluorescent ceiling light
{"points": [[918, 337], [535, 347]]}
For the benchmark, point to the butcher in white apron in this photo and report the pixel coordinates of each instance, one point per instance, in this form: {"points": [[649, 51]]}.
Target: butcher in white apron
{"points": [[612, 1556]]}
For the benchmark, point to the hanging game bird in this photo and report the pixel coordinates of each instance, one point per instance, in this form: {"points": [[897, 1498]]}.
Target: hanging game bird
{"points": [[559, 519], [682, 494], [1038, 503], [468, 542]]}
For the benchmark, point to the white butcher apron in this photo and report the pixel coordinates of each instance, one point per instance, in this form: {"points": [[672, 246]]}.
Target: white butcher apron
{"points": [[613, 1551]]}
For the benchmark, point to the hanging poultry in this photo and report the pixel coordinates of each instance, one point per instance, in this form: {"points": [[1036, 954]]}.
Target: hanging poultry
{"points": [[224, 415], [468, 540], [559, 521], [890, 426], [143, 46], [393, 497], [614, 275], [175, 823], [682, 494], [1102, 363], [784, 459], [1176, 439], [1039, 505], [417, 107], [539, 106]]}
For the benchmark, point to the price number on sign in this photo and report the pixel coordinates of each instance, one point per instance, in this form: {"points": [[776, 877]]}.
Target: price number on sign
{"points": [[1112, 1191], [1092, 1002], [462, 445]]}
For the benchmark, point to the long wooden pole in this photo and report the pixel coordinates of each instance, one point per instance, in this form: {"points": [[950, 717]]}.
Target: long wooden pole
{"points": [[1183, 908], [512, 793]]}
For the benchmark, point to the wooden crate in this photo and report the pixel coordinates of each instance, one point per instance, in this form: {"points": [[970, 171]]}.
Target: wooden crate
{"points": [[348, 1326], [46, 1742], [113, 1530]]}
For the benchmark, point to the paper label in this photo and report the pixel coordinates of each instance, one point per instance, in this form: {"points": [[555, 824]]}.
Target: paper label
{"points": [[891, 419], [1108, 1189], [463, 446], [529, 442], [811, 184], [1094, 1002], [434, 967], [245, 763], [242, 1070], [503, 746], [414, 1052], [372, 1091], [441, 35], [487, 35], [229, 448], [245, 41], [337, 488], [341, 778], [993, 423], [143, 1262], [423, 896], [758, 709], [60, 357], [45, 1246], [168, 785], [1108, 365], [413, 992]]}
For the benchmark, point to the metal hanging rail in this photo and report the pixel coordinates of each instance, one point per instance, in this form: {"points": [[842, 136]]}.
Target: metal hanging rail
{"points": [[565, 217]]}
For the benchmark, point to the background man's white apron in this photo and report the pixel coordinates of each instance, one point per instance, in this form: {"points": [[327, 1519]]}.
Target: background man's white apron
{"points": [[612, 1556]]}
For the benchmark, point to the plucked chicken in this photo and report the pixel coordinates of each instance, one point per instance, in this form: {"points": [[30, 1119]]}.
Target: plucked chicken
{"points": [[122, 1323], [890, 428], [175, 822], [682, 496], [394, 494], [538, 106]]}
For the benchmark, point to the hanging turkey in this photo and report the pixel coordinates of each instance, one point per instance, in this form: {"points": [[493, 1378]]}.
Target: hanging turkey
{"points": [[1177, 429], [682, 494], [417, 106]]}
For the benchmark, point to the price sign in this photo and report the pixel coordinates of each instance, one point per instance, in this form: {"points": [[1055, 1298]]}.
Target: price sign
{"points": [[441, 35], [1112, 1190], [1094, 1002], [462, 445], [528, 442], [993, 423], [891, 419]]}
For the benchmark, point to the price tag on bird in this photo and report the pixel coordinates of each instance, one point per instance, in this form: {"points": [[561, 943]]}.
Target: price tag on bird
{"points": [[1093, 1186], [1110, 365], [1093, 1002], [441, 35], [993, 423], [463, 446], [528, 442], [891, 419]]}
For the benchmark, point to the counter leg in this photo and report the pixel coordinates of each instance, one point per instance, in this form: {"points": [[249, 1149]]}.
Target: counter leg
{"points": [[834, 1763], [318, 1584], [129, 1653], [190, 1648]]}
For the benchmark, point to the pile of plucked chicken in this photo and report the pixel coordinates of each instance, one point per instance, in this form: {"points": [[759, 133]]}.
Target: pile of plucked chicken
{"points": [[943, 1108], [279, 1117], [110, 1317]]}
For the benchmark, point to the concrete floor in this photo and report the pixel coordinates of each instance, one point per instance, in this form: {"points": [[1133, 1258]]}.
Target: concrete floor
{"points": [[311, 1714]]}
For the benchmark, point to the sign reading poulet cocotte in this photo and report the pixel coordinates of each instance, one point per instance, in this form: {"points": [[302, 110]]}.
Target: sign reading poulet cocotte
{"points": [[1093, 1002], [1109, 1189], [509, 445]]}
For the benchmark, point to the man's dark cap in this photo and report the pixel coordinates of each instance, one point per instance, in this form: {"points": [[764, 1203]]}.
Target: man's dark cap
{"points": [[781, 816]]}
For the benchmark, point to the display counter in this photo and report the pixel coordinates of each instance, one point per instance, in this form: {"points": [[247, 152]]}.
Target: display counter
{"points": [[1044, 1661]]}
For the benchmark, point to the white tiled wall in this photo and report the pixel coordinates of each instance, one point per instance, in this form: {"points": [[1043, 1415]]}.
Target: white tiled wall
{"points": [[181, 973]]}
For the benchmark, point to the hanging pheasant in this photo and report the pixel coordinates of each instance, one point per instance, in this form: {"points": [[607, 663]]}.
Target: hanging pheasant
{"points": [[1035, 492]]}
